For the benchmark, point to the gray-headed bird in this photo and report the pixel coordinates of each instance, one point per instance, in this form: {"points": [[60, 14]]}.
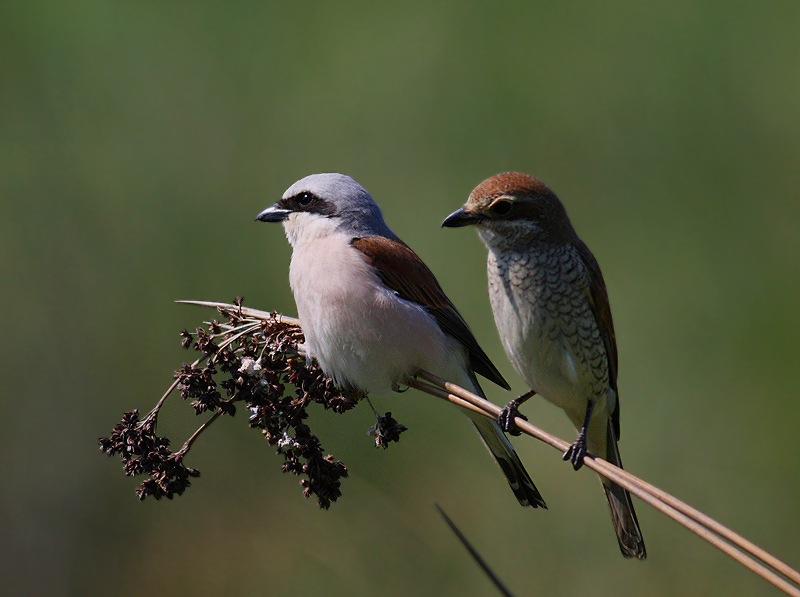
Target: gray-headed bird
{"points": [[372, 312]]}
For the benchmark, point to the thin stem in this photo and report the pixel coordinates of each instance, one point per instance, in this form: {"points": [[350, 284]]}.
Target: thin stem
{"points": [[244, 330], [228, 328], [246, 311], [188, 444], [475, 555], [715, 533], [740, 549], [160, 403], [154, 411]]}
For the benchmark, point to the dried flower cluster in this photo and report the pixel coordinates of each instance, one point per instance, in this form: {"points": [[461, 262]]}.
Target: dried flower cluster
{"points": [[386, 430], [249, 360], [144, 453]]}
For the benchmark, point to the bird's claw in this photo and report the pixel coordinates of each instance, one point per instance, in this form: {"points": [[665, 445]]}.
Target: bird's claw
{"points": [[507, 415], [576, 452]]}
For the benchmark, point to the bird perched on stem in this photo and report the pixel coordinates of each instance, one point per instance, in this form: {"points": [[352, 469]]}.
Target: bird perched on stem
{"points": [[372, 312], [552, 311]]}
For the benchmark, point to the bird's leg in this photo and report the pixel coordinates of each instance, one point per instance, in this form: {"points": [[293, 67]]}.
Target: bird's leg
{"points": [[511, 411], [577, 451]]}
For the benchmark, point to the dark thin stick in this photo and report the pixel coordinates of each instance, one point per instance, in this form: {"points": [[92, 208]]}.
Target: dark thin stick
{"points": [[188, 443], [475, 555]]}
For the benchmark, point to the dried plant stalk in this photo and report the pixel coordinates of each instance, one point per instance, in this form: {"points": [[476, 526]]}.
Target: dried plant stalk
{"points": [[258, 351], [252, 358], [740, 549]]}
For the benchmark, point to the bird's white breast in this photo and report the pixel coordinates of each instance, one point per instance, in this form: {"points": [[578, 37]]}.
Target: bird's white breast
{"points": [[360, 332]]}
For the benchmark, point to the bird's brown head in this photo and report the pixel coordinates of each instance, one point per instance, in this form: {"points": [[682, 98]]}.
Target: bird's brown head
{"points": [[512, 202]]}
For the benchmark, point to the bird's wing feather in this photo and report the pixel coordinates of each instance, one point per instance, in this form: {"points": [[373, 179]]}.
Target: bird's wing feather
{"points": [[402, 271], [598, 300]]}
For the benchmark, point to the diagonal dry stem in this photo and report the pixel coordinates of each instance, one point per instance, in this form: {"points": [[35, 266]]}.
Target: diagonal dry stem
{"points": [[187, 445], [737, 547], [256, 313], [740, 549]]}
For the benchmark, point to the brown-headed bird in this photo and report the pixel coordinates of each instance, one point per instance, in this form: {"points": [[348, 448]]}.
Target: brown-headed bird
{"points": [[551, 308]]}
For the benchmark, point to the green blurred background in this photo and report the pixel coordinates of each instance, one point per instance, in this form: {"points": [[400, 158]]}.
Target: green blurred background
{"points": [[138, 141]]}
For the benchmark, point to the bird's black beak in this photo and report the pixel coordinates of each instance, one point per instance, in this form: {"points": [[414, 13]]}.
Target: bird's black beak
{"points": [[273, 214], [461, 217]]}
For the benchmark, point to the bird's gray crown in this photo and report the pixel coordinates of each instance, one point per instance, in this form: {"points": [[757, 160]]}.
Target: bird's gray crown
{"points": [[339, 196]]}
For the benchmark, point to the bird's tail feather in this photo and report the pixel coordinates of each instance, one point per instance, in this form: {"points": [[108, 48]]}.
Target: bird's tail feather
{"points": [[498, 444], [502, 450], [626, 525]]}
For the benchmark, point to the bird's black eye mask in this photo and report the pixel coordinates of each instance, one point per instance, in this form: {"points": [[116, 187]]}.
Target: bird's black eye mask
{"points": [[308, 202]]}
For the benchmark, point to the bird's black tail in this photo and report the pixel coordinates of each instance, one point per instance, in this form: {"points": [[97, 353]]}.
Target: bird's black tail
{"points": [[626, 525], [493, 437], [512, 467]]}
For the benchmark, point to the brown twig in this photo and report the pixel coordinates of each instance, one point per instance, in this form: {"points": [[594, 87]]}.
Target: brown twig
{"points": [[258, 314], [187, 445], [740, 549]]}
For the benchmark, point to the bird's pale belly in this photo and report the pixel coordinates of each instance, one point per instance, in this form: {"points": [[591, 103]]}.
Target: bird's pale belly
{"points": [[549, 353], [549, 367], [361, 333]]}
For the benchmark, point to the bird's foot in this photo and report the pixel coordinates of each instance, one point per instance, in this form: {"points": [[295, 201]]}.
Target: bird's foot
{"points": [[510, 412], [577, 451]]}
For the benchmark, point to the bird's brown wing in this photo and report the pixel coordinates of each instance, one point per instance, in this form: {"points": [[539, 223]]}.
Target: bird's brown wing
{"points": [[403, 272], [598, 299]]}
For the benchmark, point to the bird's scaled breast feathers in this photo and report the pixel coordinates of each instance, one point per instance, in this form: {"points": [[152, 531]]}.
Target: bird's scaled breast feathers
{"points": [[547, 326]]}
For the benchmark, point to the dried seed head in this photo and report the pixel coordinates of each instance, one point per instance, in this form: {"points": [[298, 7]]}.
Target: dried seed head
{"points": [[257, 362]]}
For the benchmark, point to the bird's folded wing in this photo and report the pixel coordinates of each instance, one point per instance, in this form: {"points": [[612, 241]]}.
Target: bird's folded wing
{"points": [[598, 300], [402, 271]]}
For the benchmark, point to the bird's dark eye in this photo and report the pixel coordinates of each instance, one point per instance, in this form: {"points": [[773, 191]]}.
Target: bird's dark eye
{"points": [[501, 208], [305, 199]]}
